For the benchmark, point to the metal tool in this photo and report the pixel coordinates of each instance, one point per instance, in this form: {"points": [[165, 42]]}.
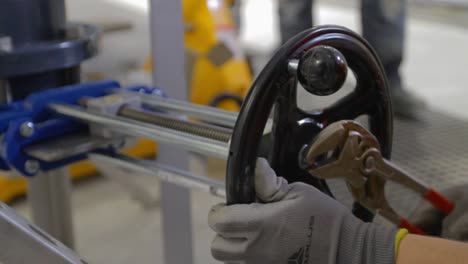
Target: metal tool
{"points": [[347, 150]]}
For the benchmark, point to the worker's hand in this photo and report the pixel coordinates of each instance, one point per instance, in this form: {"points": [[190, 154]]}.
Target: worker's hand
{"points": [[295, 223], [455, 225]]}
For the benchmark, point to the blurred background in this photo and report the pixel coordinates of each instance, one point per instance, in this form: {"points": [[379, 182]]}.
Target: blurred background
{"points": [[111, 227]]}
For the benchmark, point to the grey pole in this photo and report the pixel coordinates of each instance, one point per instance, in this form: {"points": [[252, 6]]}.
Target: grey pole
{"points": [[167, 46], [49, 195]]}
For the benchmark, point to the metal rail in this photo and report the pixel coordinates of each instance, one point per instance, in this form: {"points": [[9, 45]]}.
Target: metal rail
{"points": [[195, 128], [209, 114], [206, 113], [165, 173], [131, 127]]}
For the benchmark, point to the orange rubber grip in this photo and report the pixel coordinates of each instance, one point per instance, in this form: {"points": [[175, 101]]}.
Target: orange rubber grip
{"points": [[439, 201], [411, 228]]}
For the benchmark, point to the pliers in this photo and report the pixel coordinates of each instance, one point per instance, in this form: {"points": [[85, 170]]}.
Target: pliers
{"points": [[347, 150]]}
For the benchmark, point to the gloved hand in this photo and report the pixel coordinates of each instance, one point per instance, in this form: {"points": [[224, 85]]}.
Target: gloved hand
{"points": [[296, 224], [455, 225]]}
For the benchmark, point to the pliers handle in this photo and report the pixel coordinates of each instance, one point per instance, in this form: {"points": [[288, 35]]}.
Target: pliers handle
{"points": [[347, 150], [375, 164], [438, 201]]}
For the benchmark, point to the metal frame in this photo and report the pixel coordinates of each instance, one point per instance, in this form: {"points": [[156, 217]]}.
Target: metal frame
{"points": [[167, 46], [50, 194], [23, 242]]}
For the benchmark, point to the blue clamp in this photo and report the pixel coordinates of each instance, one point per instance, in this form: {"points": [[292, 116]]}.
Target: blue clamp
{"points": [[47, 125], [147, 90]]}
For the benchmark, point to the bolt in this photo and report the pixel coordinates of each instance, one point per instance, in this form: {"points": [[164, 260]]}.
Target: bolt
{"points": [[32, 166], [369, 164], [27, 129]]}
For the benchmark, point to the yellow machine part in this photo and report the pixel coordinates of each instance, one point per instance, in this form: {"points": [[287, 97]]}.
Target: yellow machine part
{"points": [[215, 64], [12, 187]]}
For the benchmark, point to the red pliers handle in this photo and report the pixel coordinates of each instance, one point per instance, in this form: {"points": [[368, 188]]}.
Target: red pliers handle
{"points": [[356, 157], [438, 201]]}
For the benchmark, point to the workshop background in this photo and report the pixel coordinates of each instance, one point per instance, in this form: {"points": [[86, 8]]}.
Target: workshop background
{"points": [[111, 227]]}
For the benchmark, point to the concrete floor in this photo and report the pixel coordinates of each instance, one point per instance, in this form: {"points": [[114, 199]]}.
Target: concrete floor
{"points": [[112, 228]]}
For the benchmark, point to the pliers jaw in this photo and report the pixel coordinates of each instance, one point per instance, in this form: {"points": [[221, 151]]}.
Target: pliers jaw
{"points": [[336, 153]]}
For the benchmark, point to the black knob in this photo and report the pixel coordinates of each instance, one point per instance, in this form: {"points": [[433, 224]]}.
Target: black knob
{"points": [[322, 70]]}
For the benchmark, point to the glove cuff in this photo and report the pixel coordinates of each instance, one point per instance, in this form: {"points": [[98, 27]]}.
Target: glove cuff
{"points": [[365, 243]]}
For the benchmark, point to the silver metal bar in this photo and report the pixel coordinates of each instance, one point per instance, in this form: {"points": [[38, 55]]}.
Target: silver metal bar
{"points": [[168, 56], [49, 195], [210, 114], [163, 172], [195, 128], [68, 146], [23, 242], [206, 113], [131, 127], [140, 186], [444, 3]]}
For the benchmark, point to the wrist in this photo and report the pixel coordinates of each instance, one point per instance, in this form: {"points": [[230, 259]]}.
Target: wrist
{"points": [[365, 243], [398, 238]]}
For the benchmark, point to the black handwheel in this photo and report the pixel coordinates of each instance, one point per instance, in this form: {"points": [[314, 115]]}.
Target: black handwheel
{"points": [[317, 58]]}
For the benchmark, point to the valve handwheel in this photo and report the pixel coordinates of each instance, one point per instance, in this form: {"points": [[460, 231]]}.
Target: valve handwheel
{"points": [[318, 58]]}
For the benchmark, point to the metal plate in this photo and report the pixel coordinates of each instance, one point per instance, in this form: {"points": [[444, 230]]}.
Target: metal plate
{"points": [[23, 242], [434, 149], [70, 145]]}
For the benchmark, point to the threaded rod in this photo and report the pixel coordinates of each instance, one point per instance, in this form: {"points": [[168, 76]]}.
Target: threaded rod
{"points": [[199, 129]]}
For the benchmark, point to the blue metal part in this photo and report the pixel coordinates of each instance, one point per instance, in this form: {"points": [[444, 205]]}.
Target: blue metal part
{"points": [[14, 142], [81, 42], [48, 125], [11, 112], [37, 103], [147, 90]]}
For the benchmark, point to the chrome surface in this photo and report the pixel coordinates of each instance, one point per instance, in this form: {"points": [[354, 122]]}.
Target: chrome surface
{"points": [[206, 113], [68, 146], [195, 128], [163, 172], [49, 195], [23, 242], [131, 127]]}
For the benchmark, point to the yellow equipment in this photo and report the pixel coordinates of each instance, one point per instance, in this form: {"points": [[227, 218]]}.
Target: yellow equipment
{"points": [[216, 69]]}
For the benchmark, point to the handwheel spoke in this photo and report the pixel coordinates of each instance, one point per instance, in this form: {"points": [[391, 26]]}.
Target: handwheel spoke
{"points": [[349, 107], [287, 141]]}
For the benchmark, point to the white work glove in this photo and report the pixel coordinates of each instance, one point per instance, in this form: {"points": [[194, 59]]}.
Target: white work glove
{"points": [[296, 224], [455, 225]]}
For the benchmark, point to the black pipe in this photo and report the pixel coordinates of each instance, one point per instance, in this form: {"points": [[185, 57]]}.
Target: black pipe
{"points": [[26, 21], [44, 53]]}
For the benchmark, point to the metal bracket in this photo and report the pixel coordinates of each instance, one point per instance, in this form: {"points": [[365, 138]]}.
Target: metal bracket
{"points": [[23, 242]]}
